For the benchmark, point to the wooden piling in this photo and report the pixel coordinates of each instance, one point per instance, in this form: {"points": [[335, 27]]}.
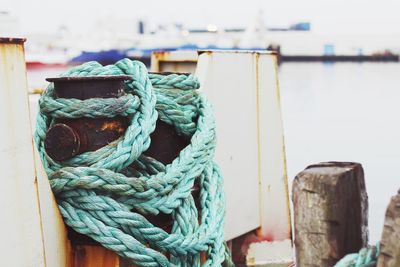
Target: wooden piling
{"points": [[330, 213], [390, 241]]}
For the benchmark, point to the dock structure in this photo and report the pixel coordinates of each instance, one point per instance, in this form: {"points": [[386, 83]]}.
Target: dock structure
{"points": [[390, 241], [250, 187], [330, 213], [330, 200]]}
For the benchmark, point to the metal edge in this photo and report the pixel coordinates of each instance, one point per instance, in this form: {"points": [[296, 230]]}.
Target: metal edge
{"points": [[266, 52], [89, 78], [166, 73], [11, 40]]}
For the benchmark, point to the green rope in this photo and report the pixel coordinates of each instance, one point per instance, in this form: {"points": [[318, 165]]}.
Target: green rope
{"points": [[366, 257], [106, 194]]}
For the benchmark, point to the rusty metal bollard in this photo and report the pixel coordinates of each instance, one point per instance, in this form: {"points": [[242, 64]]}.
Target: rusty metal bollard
{"points": [[70, 137]]}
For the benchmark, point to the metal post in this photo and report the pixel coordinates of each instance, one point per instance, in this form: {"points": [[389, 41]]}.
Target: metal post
{"points": [[31, 229]]}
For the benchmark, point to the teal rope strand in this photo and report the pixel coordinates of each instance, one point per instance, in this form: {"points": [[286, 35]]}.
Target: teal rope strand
{"points": [[106, 194], [367, 257]]}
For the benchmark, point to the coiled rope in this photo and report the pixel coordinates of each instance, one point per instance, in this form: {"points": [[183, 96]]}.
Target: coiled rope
{"points": [[107, 193]]}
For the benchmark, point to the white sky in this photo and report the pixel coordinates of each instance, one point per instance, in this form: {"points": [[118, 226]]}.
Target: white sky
{"points": [[330, 16]]}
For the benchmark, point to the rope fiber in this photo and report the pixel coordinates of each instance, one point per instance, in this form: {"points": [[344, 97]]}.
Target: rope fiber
{"points": [[366, 257], [107, 194]]}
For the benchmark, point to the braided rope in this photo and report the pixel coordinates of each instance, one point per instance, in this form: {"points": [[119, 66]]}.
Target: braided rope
{"points": [[177, 81], [106, 194], [366, 257]]}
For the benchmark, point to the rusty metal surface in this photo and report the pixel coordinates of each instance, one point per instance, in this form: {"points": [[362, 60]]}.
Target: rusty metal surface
{"points": [[62, 142], [184, 61], [210, 51], [9, 40], [89, 87], [165, 143], [70, 137], [169, 72], [90, 78]]}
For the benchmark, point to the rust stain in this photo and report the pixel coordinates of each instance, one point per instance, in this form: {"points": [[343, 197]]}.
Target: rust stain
{"points": [[69, 137], [268, 52], [161, 55], [257, 58], [113, 126], [207, 52], [285, 177], [94, 256]]}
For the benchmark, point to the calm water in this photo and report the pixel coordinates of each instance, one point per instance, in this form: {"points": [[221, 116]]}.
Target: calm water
{"points": [[340, 112], [345, 112]]}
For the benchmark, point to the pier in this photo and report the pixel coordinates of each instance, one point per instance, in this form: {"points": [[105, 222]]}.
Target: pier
{"points": [[329, 199]]}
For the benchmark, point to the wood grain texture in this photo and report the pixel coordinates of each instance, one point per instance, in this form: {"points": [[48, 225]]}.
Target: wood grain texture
{"points": [[390, 241], [330, 213]]}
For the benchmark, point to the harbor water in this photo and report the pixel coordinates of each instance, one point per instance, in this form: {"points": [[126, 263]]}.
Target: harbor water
{"points": [[336, 112], [345, 112]]}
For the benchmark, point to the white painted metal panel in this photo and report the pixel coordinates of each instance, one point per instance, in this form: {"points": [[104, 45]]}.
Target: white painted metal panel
{"points": [[20, 224], [275, 211], [243, 87], [229, 82], [31, 227], [54, 233]]}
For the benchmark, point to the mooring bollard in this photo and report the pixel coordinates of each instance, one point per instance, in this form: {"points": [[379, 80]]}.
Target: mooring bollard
{"points": [[330, 213], [390, 241], [70, 137]]}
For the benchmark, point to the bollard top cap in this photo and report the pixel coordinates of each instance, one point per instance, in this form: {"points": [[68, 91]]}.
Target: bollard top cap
{"points": [[90, 86], [90, 78], [10, 40]]}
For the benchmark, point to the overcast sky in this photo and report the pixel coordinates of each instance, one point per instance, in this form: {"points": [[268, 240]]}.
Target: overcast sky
{"points": [[331, 16]]}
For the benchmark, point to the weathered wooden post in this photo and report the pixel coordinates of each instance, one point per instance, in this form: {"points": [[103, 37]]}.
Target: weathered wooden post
{"points": [[390, 241], [330, 213]]}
